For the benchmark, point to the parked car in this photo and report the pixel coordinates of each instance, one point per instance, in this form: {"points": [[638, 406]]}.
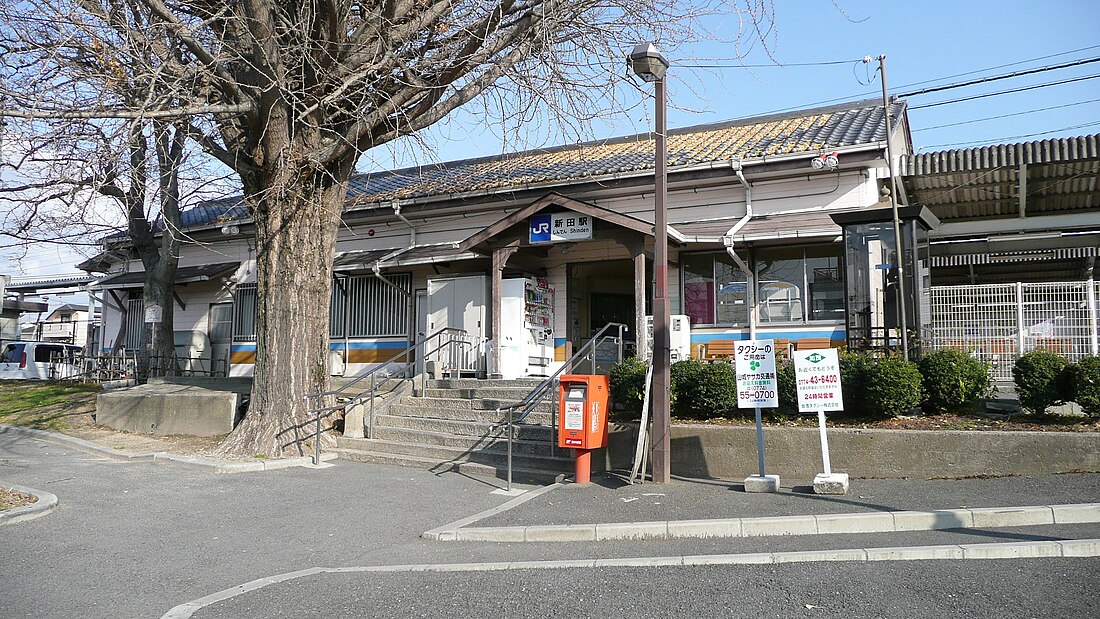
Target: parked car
{"points": [[32, 360]]}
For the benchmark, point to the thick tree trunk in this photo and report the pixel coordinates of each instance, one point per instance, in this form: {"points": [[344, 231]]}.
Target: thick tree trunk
{"points": [[158, 350], [296, 224]]}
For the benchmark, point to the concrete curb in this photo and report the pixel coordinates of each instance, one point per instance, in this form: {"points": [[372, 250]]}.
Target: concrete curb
{"points": [[163, 457], [1012, 550], [860, 522], [46, 504]]}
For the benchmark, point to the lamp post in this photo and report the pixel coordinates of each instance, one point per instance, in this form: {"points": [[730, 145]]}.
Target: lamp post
{"points": [[648, 63]]}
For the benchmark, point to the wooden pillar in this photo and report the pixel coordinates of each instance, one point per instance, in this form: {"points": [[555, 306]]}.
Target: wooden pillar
{"points": [[500, 259]]}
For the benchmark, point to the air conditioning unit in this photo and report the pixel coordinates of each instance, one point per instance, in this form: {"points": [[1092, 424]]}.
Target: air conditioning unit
{"points": [[679, 337]]}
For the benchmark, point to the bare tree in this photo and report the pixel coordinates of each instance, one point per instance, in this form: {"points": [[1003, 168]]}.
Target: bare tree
{"points": [[290, 94], [56, 173]]}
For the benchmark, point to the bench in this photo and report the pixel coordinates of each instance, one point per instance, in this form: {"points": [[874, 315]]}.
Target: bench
{"points": [[725, 350], [719, 350], [813, 343]]}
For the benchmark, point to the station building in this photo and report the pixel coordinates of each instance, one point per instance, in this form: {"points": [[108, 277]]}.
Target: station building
{"points": [[780, 222]]}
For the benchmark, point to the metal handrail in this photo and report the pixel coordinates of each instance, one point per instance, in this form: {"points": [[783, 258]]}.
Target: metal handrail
{"points": [[320, 411], [538, 394]]}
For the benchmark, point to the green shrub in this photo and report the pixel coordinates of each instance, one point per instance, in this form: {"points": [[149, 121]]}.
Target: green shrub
{"points": [[788, 385], [952, 380], [703, 390], [853, 373], [1040, 378], [628, 386], [891, 387], [1084, 379]]}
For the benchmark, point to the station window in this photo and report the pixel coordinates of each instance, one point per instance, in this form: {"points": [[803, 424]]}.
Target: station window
{"points": [[793, 285]]}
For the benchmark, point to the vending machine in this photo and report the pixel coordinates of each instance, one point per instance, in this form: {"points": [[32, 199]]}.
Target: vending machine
{"points": [[527, 327]]}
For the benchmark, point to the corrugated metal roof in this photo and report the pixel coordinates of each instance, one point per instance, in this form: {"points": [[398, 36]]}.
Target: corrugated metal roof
{"points": [[49, 284], [805, 131], [1001, 155], [184, 275], [1061, 175]]}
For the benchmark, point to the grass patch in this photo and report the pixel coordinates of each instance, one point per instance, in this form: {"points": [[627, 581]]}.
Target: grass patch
{"points": [[43, 405]]}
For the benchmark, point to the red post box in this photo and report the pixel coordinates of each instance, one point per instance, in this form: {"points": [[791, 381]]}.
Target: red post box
{"points": [[582, 418]]}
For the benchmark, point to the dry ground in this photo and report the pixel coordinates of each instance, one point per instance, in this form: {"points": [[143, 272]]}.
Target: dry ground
{"points": [[10, 499], [70, 410]]}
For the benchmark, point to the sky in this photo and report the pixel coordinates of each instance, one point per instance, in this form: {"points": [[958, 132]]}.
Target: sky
{"points": [[926, 43]]}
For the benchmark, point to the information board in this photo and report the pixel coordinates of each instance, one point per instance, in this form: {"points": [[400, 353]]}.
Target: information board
{"points": [[817, 377], [754, 365]]}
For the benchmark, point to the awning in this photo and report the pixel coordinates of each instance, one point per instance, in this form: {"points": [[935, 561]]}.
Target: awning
{"points": [[770, 227], [418, 254], [184, 275], [1035, 255]]}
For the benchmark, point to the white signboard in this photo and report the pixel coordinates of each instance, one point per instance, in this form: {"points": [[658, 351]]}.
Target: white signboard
{"points": [[154, 313], [817, 376], [558, 227], [754, 365]]}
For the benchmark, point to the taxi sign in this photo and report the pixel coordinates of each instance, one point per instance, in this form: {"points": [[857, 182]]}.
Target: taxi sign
{"points": [[754, 365]]}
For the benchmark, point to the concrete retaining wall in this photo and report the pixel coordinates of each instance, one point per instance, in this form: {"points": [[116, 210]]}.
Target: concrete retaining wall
{"points": [[729, 452], [168, 409]]}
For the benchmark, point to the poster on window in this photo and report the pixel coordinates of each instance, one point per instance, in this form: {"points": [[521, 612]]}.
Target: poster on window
{"points": [[754, 366]]}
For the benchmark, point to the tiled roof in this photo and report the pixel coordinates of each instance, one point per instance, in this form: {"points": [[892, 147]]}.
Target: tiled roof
{"points": [[808, 131], [805, 131]]}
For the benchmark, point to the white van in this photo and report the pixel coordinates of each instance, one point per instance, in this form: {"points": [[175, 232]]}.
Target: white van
{"points": [[31, 360]]}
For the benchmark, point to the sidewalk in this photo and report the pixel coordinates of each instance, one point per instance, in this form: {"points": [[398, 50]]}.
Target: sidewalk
{"points": [[609, 508]]}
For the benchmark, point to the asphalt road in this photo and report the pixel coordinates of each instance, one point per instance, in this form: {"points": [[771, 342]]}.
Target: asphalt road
{"points": [[136, 539], [917, 589]]}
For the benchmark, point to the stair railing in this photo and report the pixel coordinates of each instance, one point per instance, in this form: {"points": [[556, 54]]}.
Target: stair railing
{"points": [[447, 337], [539, 393]]}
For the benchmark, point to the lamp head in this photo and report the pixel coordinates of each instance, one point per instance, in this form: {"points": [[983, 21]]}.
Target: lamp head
{"points": [[648, 62]]}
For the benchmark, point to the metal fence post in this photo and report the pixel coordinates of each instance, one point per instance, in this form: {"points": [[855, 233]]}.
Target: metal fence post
{"points": [[1019, 319], [1094, 344]]}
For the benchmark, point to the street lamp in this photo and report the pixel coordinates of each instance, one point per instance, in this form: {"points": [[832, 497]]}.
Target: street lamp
{"points": [[648, 63]]}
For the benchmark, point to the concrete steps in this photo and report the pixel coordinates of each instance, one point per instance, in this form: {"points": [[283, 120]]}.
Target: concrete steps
{"points": [[459, 410], [519, 475], [454, 424], [461, 427]]}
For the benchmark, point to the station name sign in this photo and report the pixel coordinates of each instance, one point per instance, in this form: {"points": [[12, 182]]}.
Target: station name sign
{"points": [[560, 227]]}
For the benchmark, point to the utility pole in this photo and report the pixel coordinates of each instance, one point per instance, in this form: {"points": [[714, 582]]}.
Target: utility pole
{"points": [[900, 266], [648, 63]]}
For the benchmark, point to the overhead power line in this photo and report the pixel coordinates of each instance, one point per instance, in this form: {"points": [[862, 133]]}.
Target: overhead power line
{"points": [[1005, 92], [978, 120], [1000, 66], [994, 78], [730, 63], [866, 94], [1014, 137]]}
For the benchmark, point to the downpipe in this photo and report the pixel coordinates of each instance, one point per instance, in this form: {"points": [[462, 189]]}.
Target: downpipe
{"points": [[750, 294]]}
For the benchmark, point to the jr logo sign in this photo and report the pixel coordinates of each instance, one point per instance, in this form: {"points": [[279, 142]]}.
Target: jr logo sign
{"points": [[540, 229]]}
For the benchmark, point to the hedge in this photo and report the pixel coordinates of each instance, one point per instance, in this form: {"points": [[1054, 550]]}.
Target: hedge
{"points": [[1041, 380], [953, 380]]}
